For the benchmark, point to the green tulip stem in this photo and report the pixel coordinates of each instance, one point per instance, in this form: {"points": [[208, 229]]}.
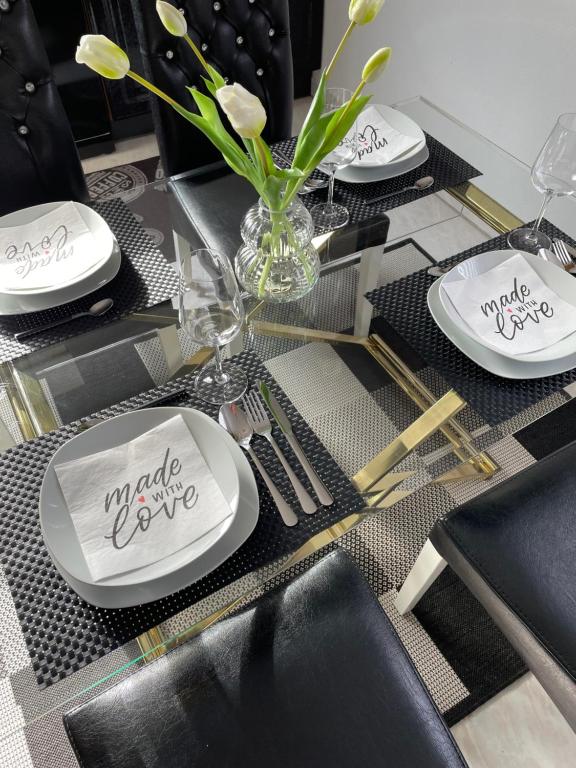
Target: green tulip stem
{"points": [[198, 55], [357, 92], [152, 87], [340, 49]]}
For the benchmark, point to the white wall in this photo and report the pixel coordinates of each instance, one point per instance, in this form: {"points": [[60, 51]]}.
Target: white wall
{"points": [[505, 67]]}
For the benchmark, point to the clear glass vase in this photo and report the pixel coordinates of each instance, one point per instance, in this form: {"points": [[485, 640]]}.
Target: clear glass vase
{"points": [[277, 261]]}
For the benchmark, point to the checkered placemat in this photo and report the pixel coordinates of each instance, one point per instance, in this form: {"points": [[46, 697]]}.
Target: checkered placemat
{"points": [[403, 304], [445, 166], [145, 279], [62, 632]]}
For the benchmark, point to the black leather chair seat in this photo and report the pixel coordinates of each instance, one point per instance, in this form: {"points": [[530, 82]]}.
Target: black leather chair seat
{"points": [[311, 675], [515, 546]]}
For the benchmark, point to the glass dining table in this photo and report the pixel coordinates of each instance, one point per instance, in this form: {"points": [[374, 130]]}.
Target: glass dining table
{"points": [[397, 406]]}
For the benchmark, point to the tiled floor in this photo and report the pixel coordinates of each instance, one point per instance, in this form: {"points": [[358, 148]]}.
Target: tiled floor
{"points": [[521, 727]]}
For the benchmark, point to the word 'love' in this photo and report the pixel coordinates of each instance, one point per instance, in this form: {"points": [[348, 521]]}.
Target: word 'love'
{"points": [[154, 494]]}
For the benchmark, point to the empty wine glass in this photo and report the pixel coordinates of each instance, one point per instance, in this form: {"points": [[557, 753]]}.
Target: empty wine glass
{"points": [[331, 215], [212, 313], [553, 174]]}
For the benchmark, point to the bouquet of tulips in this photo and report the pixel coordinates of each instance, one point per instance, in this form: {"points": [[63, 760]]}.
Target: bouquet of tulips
{"points": [[320, 134], [247, 153]]}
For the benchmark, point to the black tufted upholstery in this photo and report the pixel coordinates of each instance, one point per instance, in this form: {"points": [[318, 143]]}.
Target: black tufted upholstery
{"points": [[514, 548], [312, 675], [247, 41], [39, 160]]}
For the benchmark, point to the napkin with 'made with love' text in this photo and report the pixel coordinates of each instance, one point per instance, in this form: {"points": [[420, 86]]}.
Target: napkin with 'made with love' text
{"points": [[52, 250], [140, 502], [511, 308]]}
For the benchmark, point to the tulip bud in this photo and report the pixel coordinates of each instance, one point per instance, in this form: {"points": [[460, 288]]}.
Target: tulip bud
{"points": [[103, 56], [376, 64], [243, 109], [364, 11], [172, 19]]}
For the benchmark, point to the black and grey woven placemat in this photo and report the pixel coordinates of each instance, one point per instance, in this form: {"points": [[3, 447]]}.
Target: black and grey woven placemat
{"points": [[62, 632], [145, 279], [403, 304], [446, 167]]}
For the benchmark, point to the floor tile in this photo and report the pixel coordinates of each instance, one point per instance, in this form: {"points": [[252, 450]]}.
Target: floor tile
{"points": [[518, 728]]}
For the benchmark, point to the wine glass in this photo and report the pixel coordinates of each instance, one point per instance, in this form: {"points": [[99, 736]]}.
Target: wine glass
{"points": [[331, 215], [211, 312], [553, 174]]}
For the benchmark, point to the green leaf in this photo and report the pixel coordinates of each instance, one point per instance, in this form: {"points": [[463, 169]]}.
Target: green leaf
{"points": [[314, 113], [270, 166], [209, 112], [289, 174], [338, 130], [217, 78], [231, 152], [313, 141], [273, 190], [210, 87]]}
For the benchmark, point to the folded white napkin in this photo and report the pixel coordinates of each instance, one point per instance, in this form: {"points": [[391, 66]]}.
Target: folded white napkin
{"points": [[140, 502], [511, 308], [378, 142], [53, 249]]}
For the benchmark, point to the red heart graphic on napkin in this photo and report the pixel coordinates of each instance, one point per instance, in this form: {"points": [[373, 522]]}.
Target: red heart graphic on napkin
{"points": [[141, 499]]}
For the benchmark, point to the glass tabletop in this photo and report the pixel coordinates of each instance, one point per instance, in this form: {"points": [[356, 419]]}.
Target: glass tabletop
{"points": [[384, 408]]}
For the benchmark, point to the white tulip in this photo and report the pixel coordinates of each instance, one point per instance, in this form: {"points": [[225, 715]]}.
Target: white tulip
{"points": [[376, 64], [243, 109], [103, 56], [172, 18], [364, 11]]}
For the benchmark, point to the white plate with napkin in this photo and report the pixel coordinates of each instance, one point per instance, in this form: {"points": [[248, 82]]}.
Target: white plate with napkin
{"points": [[205, 550], [524, 283], [491, 361], [390, 144], [52, 254]]}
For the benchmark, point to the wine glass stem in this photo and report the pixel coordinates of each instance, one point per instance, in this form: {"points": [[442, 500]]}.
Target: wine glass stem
{"points": [[547, 198], [220, 375], [331, 187]]}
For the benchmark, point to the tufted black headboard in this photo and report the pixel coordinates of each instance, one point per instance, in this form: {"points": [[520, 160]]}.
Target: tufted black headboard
{"points": [[248, 41], [38, 158]]}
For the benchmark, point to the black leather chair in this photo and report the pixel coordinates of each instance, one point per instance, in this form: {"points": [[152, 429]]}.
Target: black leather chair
{"points": [[515, 549], [248, 41], [39, 160], [310, 675]]}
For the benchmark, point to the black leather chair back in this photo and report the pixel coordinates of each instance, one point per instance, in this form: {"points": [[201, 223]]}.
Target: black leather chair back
{"points": [[38, 157], [248, 41]]}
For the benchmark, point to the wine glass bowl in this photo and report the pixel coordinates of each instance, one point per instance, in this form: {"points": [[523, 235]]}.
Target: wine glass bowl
{"points": [[211, 313], [331, 215], [554, 175]]}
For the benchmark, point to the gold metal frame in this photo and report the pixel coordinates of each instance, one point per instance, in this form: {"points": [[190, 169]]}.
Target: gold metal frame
{"points": [[485, 207]]}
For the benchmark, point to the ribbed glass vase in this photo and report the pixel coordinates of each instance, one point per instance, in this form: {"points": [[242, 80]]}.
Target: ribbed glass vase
{"points": [[277, 261]]}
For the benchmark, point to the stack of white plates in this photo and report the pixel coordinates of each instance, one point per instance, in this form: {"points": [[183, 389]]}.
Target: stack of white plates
{"points": [[20, 302], [231, 471], [360, 173], [557, 358]]}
